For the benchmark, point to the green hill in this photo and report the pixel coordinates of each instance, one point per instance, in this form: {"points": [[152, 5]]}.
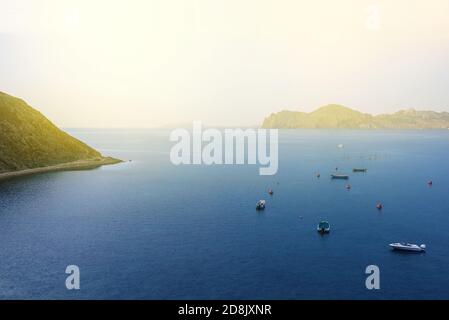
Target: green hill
{"points": [[337, 116], [28, 140]]}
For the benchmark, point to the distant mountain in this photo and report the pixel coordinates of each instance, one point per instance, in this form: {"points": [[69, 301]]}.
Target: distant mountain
{"points": [[28, 140], [337, 116]]}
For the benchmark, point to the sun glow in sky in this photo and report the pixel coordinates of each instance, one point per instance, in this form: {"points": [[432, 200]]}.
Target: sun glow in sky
{"points": [[146, 63]]}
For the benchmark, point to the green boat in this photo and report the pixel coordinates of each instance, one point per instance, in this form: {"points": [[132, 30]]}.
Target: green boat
{"points": [[359, 170], [323, 227]]}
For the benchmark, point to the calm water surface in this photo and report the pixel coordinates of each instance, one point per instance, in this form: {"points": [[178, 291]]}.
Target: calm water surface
{"points": [[149, 230]]}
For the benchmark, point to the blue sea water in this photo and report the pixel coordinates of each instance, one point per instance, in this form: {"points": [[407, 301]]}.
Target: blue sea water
{"points": [[147, 229]]}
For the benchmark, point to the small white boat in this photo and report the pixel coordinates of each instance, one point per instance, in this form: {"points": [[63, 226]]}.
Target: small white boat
{"points": [[260, 205], [408, 247]]}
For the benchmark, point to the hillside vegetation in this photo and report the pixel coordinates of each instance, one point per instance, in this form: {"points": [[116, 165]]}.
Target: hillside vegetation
{"points": [[337, 116], [29, 140]]}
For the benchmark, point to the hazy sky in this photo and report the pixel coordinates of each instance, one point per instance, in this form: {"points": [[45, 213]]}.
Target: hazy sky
{"points": [[145, 63]]}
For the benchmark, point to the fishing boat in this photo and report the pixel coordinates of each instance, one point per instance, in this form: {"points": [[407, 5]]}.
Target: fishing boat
{"points": [[323, 227], [359, 170], [260, 205], [270, 192], [408, 247], [339, 176]]}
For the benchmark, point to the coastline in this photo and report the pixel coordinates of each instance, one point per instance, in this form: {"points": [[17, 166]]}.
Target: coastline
{"points": [[69, 166]]}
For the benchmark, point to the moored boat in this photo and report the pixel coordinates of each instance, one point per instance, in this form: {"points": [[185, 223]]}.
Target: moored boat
{"points": [[339, 176], [323, 227], [408, 247], [260, 205], [359, 170]]}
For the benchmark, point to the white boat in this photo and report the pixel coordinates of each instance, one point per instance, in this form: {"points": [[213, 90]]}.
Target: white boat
{"points": [[408, 247], [323, 227], [260, 205]]}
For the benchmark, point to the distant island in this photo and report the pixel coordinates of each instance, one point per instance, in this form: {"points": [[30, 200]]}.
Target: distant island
{"points": [[337, 116], [30, 143]]}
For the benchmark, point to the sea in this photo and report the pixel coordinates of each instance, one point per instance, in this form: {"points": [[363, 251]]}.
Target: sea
{"points": [[149, 229]]}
